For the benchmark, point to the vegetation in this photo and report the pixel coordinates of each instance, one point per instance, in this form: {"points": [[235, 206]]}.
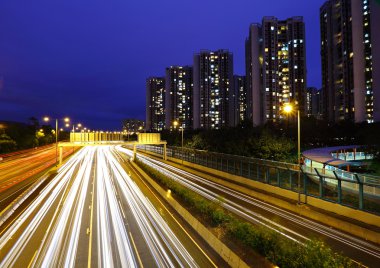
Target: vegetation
{"points": [[260, 142], [278, 141], [18, 136], [7, 144], [276, 248]]}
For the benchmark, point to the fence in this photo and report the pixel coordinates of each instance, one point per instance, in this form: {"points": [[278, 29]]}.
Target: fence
{"points": [[345, 188]]}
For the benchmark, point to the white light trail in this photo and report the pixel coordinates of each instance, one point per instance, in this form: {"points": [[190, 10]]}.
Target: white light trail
{"points": [[157, 233], [61, 209]]}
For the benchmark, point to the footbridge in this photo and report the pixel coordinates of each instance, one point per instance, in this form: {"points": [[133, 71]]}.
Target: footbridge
{"points": [[111, 138]]}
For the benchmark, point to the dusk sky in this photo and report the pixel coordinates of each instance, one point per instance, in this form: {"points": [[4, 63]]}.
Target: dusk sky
{"points": [[89, 59]]}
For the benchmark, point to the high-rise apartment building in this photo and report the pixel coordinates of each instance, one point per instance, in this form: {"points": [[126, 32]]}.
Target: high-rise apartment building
{"points": [[155, 103], [350, 45], [213, 90], [275, 68], [179, 96], [241, 97], [313, 102], [133, 125]]}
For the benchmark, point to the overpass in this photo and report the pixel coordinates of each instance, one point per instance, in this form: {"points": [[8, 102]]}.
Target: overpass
{"points": [[80, 139]]}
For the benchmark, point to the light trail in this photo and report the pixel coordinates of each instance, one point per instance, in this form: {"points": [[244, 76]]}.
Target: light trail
{"points": [[54, 227], [110, 218], [22, 167], [39, 207], [155, 230], [187, 179]]}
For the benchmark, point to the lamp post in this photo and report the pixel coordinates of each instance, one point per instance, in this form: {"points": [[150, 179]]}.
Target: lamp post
{"points": [[288, 108], [47, 119], [175, 123], [77, 127]]}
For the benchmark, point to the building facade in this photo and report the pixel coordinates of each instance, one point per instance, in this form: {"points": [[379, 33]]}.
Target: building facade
{"points": [[275, 68], [179, 96], [241, 97], [133, 125], [313, 102], [350, 60], [213, 106], [155, 103]]}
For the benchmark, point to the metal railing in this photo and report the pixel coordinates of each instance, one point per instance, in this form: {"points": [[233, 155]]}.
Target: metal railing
{"points": [[349, 156], [349, 189]]}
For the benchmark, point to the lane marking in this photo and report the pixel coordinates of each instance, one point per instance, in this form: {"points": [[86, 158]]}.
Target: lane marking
{"points": [[134, 246], [34, 255], [91, 217]]}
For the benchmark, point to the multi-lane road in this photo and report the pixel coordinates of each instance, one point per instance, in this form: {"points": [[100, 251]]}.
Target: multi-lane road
{"points": [[96, 212], [286, 223], [20, 171], [93, 214]]}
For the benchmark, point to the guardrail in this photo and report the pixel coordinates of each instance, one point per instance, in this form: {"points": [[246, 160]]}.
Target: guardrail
{"points": [[349, 189], [349, 156]]}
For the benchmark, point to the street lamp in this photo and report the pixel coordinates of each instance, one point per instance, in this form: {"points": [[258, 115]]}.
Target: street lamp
{"points": [[176, 123], [79, 125], [66, 120], [288, 108]]}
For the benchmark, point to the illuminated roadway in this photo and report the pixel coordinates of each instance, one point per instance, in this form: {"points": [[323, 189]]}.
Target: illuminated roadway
{"points": [[286, 223], [20, 171], [93, 214]]}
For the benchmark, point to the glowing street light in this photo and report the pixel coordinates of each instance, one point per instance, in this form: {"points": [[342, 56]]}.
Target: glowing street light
{"points": [[175, 124], [288, 108], [66, 120]]}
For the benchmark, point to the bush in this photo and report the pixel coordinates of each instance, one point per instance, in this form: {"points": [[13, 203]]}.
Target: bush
{"points": [[7, 145]]}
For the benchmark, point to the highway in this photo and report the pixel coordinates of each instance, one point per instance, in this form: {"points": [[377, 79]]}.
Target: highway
{"points": [[92, 213], [286, 223], [20, 171]]}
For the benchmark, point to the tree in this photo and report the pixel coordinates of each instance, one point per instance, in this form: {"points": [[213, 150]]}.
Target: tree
{"points": [[7, 144], [268, 146]]}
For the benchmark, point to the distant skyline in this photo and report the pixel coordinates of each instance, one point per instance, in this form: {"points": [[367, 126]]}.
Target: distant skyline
{"points": [[89, 60]]}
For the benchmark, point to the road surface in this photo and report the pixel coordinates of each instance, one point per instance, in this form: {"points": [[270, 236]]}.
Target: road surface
{"points": [[20, 171], [93, 214]]}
